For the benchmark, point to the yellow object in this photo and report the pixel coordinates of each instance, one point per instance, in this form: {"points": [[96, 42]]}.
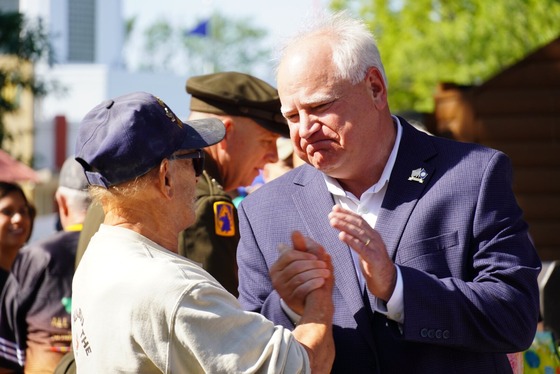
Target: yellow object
{"points": [[224, 219], [542, 356]]}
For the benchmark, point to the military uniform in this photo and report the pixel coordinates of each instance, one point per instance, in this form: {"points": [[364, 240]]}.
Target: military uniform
{"points": [[212, 239]]}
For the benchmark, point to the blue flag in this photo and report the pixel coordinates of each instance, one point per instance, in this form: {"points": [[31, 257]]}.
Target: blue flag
{"points": [[201, 29]]}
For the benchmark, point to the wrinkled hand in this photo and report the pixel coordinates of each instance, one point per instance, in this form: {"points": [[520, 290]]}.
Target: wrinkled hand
{"points": [[378, 268], [301, 269]]}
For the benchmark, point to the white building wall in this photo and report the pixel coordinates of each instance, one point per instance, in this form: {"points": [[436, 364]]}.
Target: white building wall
{"points": [[54, 14], [110, 33], [109, 28]]}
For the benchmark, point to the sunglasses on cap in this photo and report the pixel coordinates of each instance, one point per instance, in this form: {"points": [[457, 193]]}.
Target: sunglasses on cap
{"points": [[197, 160]]}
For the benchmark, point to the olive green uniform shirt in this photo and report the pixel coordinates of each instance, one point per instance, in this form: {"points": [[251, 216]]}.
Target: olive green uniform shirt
{"points": [[212, 240]]}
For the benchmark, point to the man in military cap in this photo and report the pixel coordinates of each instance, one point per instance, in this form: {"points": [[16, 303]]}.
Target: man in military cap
{"points": [[250, 111]]}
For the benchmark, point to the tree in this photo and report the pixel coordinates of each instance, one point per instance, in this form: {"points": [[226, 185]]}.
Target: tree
{"points": [[22, 43], [228, 44], [425, 42]]}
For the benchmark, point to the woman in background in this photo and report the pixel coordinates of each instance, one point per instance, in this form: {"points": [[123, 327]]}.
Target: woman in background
{"points": [[16, 223]]}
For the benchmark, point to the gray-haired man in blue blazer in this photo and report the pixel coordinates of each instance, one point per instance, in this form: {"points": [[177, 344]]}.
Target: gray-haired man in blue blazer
{"points": [[434, 268]]}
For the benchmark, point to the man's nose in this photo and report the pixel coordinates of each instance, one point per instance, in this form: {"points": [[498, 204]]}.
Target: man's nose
{"points": [[308, 125], [272, 153]]}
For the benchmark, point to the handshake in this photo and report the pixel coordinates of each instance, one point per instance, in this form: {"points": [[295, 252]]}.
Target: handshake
{"points": [[303, 277], [303, 270]]}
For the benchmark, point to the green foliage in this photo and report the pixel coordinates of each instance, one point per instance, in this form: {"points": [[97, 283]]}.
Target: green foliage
{"points": [[230, 45], [160, 47], [21, 38], [425, 42], [129, 25], [27, 42]]}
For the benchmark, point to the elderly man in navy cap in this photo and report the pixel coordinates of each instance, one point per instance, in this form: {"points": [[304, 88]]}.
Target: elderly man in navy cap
{"points": [[140, 307]]}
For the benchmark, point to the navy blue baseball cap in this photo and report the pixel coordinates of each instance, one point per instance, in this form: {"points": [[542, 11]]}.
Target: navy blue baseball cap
{"points": [[125, 137]]}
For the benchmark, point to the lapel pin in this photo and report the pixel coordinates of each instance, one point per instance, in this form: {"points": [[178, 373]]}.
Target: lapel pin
{"points": [[418, 175]]}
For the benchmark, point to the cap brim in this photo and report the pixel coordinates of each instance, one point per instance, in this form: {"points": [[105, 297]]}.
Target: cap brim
{"points": [[207, 131], [275, 127]]}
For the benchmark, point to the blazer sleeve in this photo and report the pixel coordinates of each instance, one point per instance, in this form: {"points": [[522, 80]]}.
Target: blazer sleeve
{"points": [[256, 292]]}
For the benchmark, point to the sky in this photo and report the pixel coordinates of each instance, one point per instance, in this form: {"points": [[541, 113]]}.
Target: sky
{"points": [[279, 17]]}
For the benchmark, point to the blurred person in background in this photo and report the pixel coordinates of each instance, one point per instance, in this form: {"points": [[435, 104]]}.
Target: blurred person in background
{"points": [[16, 223], [43, 270]]}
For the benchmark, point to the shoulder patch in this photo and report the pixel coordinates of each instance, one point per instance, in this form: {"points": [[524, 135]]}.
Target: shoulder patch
{"points": [[224, 223]]}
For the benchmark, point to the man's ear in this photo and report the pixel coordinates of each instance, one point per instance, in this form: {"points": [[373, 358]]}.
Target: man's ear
{"points": [[230, 127], [165, 179], [375, 83], [62, 205]]}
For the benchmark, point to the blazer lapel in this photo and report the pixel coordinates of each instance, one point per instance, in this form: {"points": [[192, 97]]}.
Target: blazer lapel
{"points": [[405, 188], [314, 203]]}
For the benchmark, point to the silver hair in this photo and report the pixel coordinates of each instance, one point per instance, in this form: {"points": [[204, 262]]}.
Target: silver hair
{"points": [[77, 200], [354, 48], [123, 192]]}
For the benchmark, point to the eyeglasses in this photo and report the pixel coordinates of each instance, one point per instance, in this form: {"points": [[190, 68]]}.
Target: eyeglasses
{"points": [[197, 160]]}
